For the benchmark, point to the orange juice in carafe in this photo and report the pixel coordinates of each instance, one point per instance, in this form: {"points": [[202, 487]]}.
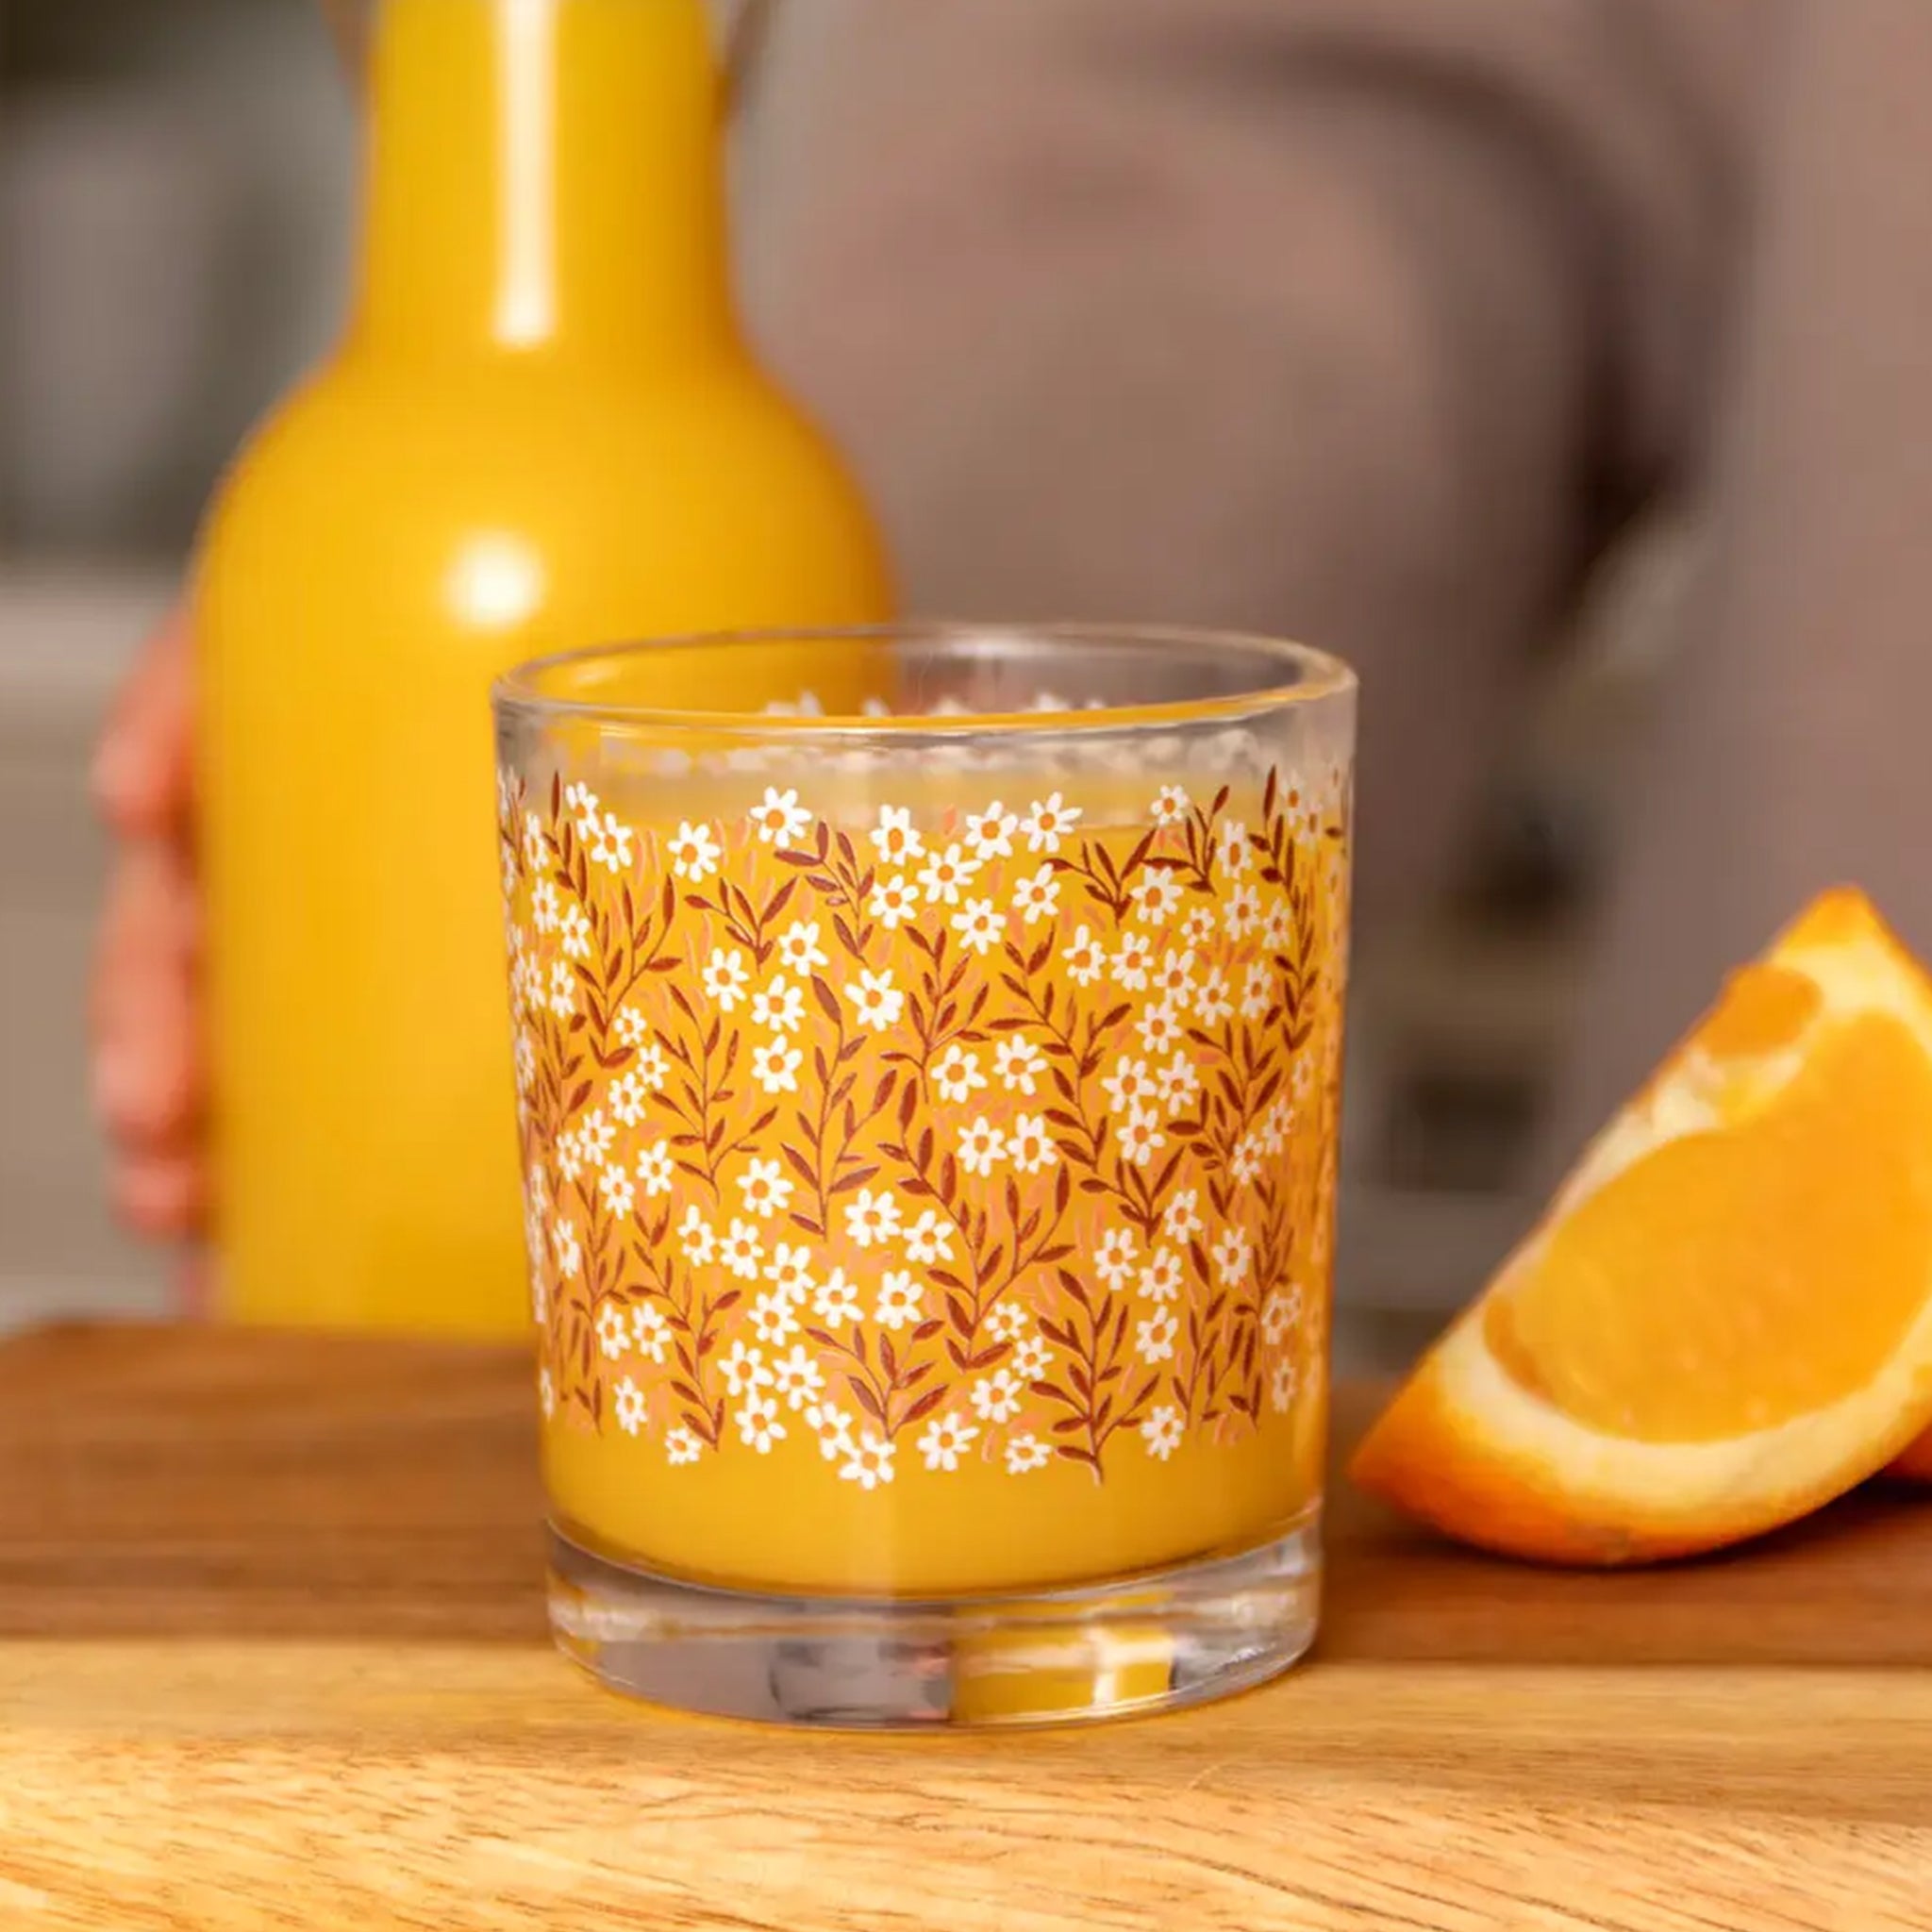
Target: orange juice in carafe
{"points": [[539, 430]]}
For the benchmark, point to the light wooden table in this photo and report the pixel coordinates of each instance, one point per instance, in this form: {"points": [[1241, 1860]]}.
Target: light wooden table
{"points": [[272, 1653]]}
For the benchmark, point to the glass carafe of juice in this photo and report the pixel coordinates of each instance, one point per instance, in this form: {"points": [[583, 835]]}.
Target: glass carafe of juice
{"points": [[540, 430]]}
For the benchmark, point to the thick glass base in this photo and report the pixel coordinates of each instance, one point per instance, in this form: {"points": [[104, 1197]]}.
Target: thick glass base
{"points": [[1148, 1644]]}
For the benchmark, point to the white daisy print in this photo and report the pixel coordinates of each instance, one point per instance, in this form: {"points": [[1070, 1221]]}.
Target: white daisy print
{"points": [[981, 926], [742, 1251], [780, 1006], [743, 1370], [996, 1397], [895, 838], [697, 1237], [576, 933], [781, 820], [650, 1333], [693, 853], [767, 1188], [654, 1174], [1129, 1085], [1211, 1003], [929, 1241], [1155, 1338], [682, 1447], [946, 874], [724, 978], [873, 1218], [1160, 1027], [800, 948], [956, 1073], [1048, 822], [870, 1461], [1024, 1453], [1008, 1322], [1038, 897], [990, 833], [1086, 959], [1160, 1280], [1182, 1221], [617, 1190], [900, 1301], [1030, 1146], [893, 902], [1132, 961], [1114, 1261], [982, 1147], [946, 1439], [1171, 805], [1162, 1431], [775, 1065], [798, 1379], [1018, 1062], [1284, 1387], [837, 1301], [613, 1331], [1232, 1258], [876, 1002], [772, 1319], [630, 1407], [1257, 992], [758, 1424]]}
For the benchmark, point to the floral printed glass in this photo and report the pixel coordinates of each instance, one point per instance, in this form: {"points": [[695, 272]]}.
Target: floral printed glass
{"points": [[928, 1116]]}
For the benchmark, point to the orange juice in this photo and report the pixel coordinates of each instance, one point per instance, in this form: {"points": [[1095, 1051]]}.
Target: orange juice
{"points": [[539, 430], [928, 1198]]}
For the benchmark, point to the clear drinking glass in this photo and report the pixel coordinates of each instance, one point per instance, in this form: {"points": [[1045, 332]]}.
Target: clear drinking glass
{"points": [[928, 1044]]}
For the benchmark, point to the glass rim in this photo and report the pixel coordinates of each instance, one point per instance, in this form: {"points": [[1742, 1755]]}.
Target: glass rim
{"points": [[1308, 676]]}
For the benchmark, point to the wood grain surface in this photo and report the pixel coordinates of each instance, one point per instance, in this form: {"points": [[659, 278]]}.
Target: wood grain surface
{"points": [[272, 1653]]}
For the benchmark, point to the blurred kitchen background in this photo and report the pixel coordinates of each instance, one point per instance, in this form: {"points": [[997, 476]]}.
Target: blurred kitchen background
{"points": [[176, 183]]}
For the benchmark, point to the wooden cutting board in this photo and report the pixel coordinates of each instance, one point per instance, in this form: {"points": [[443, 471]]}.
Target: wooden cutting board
{"points": [[272, 1653]]}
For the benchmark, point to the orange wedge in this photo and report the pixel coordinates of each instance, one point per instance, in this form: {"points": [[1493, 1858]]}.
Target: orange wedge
{"points": [[1725, 1317]]}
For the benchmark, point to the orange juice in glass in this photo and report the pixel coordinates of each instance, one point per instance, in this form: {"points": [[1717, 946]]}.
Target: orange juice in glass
{"points": [[929, 1125]]}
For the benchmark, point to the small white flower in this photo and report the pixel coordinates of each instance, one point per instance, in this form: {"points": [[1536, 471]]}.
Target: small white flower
{"points": [[609, 841], [946, 874], [982, 1147], [789, 1271], [1157, 897], [698, 1239], [900, 1301], [682, 1447], [1024, 1453], [1171, 807], [1182, 1221], [1180, 1081], [630, 1407], [775, 1065], [563, 990], [798, 1379], [837, 1300], [1199, 927], [990, 832], [1285, 1386], [1119, 1249], [876, 1002], [613, 1331], [1155, 1336], [1018, 1062], [767, 1188], [631, 1028], [981, 926], [1242, 914], [1237, 854], [1162, 1431], [996, 1397], [757, 1424], [1160, 1280], [1038, 897], [1211, 1003], [695, 854], [1086, 959], [781, 820], [724, 978], [780, 1006], [1129, 1085], [956, 1073], [576, 933], [743, 1370], [546, 1393], [772, 1319], [1030, 1146], [869, 1462], [650, 1333], [1257, 992], [894, 836], [1008, 1322], [742, 1251], [1046, 824], [1232, 1258], [653, 1170], [834, 1427], [1030, 1358], [929, 1239], [618, 1191], [946, 1439], [546, 908], [563, 1246], [893, 902], [873, 1218], [1132, 960], [800, 947], [1160, 1027]]}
